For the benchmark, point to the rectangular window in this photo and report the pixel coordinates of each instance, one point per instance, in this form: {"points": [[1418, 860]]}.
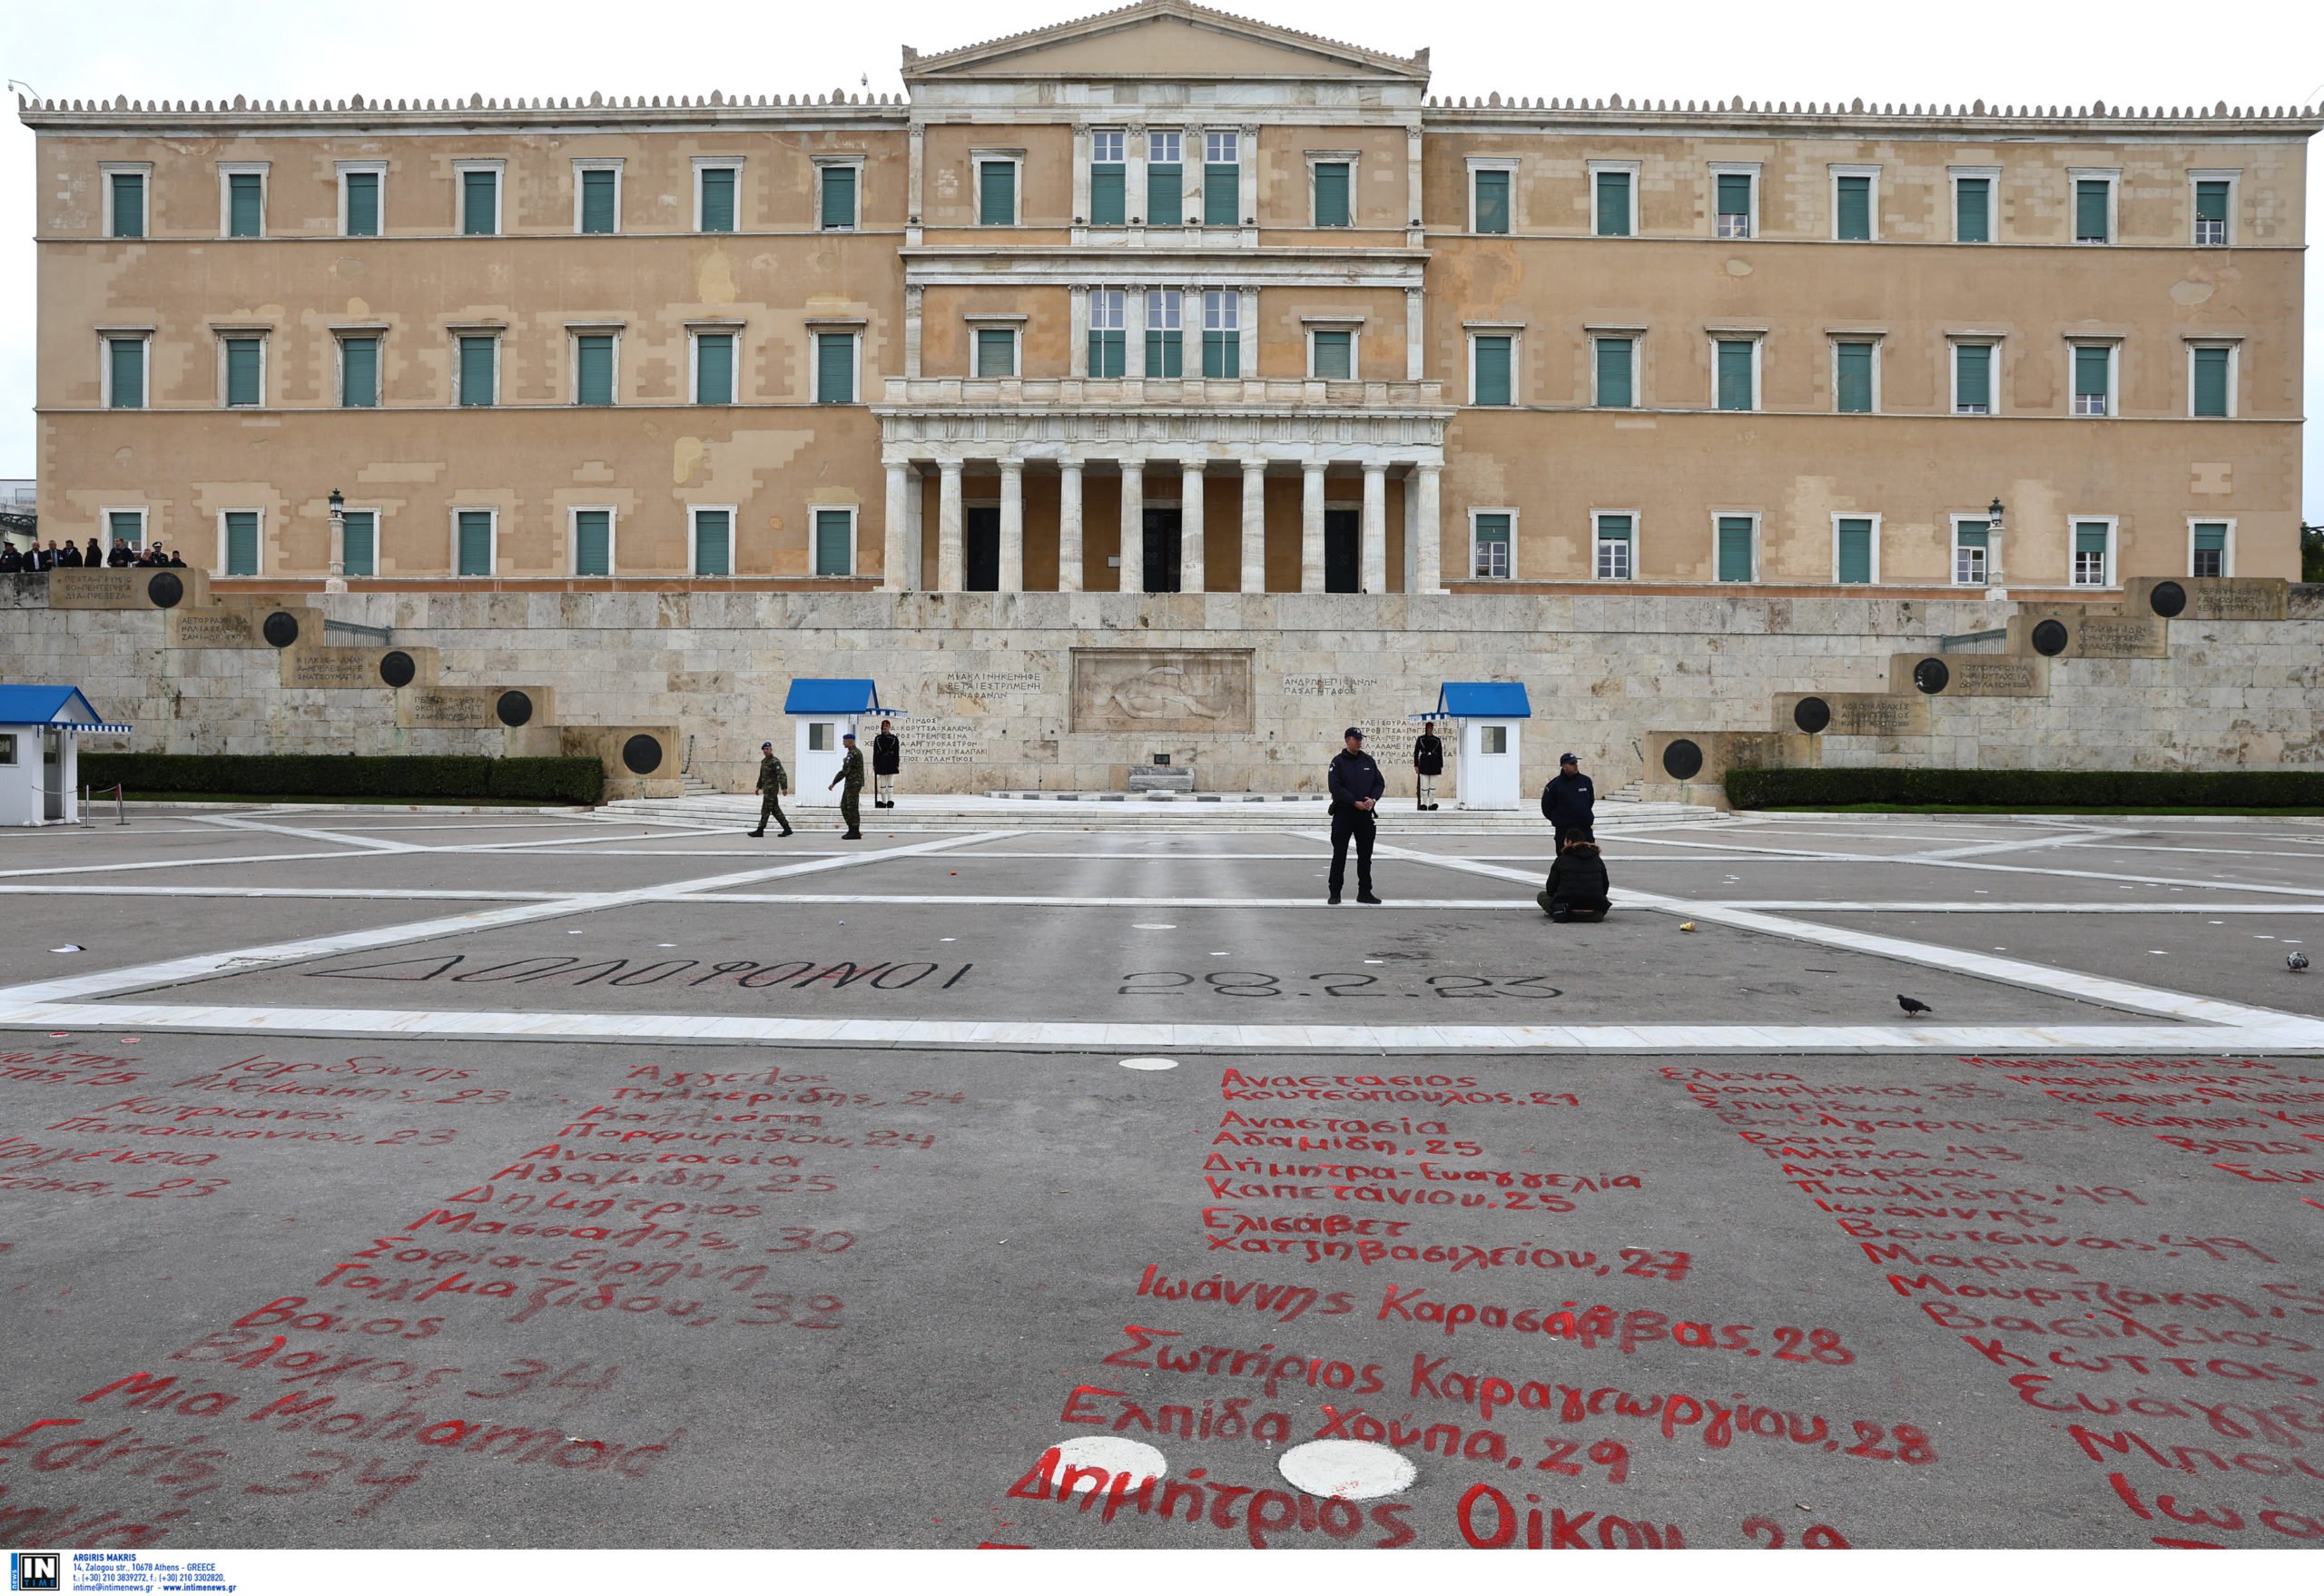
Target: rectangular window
{"points": [[593, 542], [713, 367], [996, 351], [1735, 563], [2091, 204], [838, 211], [1331, 354], [2093, 369], [1614, 193], [1615, 361], [125, 373], [1165, 180], [1737, 361], [1491, 200], [1852, 208], [1969, 540], [1222, 339], [600, 199], [2210, 212], [1972, 210], [245, 371], [715, 198], [125, 527], [1331, 194], [1853, 535], [996, 194], [1973, 380], [241, 543], [128, 195], [2212, 369], [480, 201], [1734, 204], [7, 748], [361, 199], [1492, 536], [2211, 550], [1852, 377], [713, 555], [593, 368], [1166, 339], [835, 367], [360, 543], [2090, 551], [358, 372], [1613, 551], [1108, 332], [1108, 178], [479, 368], [1492, 385], [245, 204], [473, 553], [835, 543], [1222, 179]]}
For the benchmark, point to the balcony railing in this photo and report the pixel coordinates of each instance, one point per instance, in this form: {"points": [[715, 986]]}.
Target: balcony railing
{"points": [[1146, 393]]}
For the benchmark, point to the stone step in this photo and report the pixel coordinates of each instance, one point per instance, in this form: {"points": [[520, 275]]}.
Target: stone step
{"points": [[1119, 812]]}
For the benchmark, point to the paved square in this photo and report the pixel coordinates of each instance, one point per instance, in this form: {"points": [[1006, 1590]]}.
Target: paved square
{"points": [[451, 1179]]}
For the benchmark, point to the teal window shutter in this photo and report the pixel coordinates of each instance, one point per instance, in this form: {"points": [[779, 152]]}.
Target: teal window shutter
{"points": [[479, 203], [127, 527], [1735, 548], [2090, 538], [598, 212], [996, 190], [835, 543], [1493, 202], [475, 543], [996, 353], [593, 369], [359, 546], [241, 543], [2211, 549], [1166, 353], [1970, 533], [835, 367], [1492, 545], [127, 358], [1494, 384], [1853, 364], [2210, 212], [1973, 379], [1108, 195], [593, 542], [711, 552], [1853, 207], [245, 204], [1856, 548], [128, 204], [1109, 353], [363, 205], [1222, 353], [1334, 356], [2090, 195], [1972, 210], [839, 197], [2210, 382], [1222, 194], [1614, 204], [1735, 375], [1614, 387], [1166, 193], [476, 362], [1735, 204], [2090, 370], [718, 198], [1614, 549], [358, 372], [713, 368], [245, 383], [1332, 196]]}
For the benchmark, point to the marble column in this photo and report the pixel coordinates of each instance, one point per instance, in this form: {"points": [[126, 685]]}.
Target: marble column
{"points": [[1375, 528], [1432, 541], [1012, 525], [1255, 526], [1190, 578], [951, 573], [895, 569], [1069, 526], [1133, 526], [1311, 530]]}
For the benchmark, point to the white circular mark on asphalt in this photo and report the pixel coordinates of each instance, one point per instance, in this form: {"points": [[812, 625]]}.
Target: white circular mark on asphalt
{"points": [[1149, 1063], [1355, 1470], [1151, 926], [1115, 1455]]}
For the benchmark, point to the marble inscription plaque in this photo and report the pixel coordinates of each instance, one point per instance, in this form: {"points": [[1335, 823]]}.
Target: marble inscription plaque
{"points": [[938, 739], [1161, 690]]}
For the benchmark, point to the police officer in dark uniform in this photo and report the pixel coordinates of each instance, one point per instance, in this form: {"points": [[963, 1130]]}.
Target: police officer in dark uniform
{"points": [[1357, 787], [1428, 764], [887, 761], [1569, 802]]}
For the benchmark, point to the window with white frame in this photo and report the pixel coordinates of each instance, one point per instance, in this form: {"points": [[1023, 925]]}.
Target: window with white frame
{"points": [[1331, 188], [475, 541], [242, 199], [1492, 537], [1613, 198], [834, 551], [995, 350], [125, 526], [1492, 195], [1222, 177], [1166, 177], [1855, 375], [1221, 335], [1856, 549], [479, 196], [1493, 367], [127, 184], [2094, 551], [2093, 203], [242, 370], [1614, 535], [1108, 176], [1972, 538], [1734, 371], [596, 195], [592, 539], [358, 541], [241, 543], [1974, 374], [838, 193], [476, 372], [1855, 203], [127, 355], [1331, 353], [8, 747], [1736, 547], [362, 197], [713, 350], [996, 180], [2093, 377], [1108, 332], [1974, 191], [836, 354], [596, 350], [2210, 544], [1735, 198], [717, 192], [2212, 194], [710, 540], [1165, 337], [1613, 370], [2211, 378]]}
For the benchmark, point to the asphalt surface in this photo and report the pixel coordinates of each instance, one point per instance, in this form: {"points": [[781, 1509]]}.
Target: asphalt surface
{"points": [[270, 1278]]}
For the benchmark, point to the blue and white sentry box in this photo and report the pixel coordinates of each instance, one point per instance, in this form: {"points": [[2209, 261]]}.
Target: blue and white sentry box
{"points": [[40, 769], [823, 709], [1490, 715]]}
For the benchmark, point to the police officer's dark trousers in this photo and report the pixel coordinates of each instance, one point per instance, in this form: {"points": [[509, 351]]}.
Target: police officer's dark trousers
{"points": [[1358, 824]]}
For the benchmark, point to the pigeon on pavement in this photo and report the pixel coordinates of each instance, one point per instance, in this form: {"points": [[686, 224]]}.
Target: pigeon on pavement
{"points": [[1912, 1005], [2295, 961]]}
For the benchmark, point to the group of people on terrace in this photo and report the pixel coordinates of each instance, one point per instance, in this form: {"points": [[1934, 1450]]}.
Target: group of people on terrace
{"points": [[71, 556]]}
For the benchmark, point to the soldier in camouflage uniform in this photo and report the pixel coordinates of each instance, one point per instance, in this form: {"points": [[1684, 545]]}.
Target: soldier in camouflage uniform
{"points": [[850, 797], [773, 782]]}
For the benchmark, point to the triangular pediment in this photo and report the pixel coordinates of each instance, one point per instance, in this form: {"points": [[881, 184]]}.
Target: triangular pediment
{"points": [[1163, 39]]}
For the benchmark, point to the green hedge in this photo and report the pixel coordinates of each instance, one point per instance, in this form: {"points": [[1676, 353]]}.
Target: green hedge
{"points": [[417, 777], [2029, 788]]}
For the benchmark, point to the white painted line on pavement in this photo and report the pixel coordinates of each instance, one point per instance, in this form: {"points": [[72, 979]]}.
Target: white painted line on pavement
{"points": [[345, 838]]}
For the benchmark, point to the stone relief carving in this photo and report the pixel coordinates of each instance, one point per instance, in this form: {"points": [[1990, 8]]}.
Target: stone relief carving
{"points": [[1161, 690]]}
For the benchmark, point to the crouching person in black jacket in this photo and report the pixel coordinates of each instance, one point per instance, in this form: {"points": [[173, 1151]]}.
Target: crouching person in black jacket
{"points": [[1576, 887]]}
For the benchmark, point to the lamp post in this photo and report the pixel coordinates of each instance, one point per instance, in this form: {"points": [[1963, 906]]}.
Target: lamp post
{"points": [[1993, 552], [337, 582]]}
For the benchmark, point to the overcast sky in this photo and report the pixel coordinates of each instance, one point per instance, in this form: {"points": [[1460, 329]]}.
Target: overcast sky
{"points": [[2256, 52]]}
